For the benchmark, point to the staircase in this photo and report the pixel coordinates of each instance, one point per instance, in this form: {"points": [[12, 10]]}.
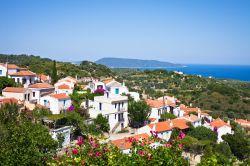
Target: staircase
{"points": [[116, 126]]}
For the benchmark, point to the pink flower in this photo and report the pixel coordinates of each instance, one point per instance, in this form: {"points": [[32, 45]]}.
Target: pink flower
{"points": [[151, 131], [180, 146], [79, 141], [168, 145], [181, 135], [75, 151], [141, 152], [82, 162], [98, 154]]}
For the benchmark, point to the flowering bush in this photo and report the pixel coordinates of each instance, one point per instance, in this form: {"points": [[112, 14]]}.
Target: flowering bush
{"points": [[143, 152]]}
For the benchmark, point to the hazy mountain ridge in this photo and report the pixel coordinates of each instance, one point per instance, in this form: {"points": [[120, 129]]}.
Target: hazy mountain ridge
{"points": [[134, 63]]}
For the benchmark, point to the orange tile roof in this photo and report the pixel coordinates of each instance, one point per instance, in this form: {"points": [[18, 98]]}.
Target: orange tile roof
{"points": [[13, 66], [64, 86], [41, 85], [243, 123], [60, 96], [124, 143], [155, 103], [8, 101], [189, 110], [166, 125], [14, 89], [24, 73], [191, 117], [107, 81], [218, 123], [43, 77]]}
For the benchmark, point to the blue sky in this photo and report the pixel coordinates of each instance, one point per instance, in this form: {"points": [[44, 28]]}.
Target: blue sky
{"points": [[180, 31]]}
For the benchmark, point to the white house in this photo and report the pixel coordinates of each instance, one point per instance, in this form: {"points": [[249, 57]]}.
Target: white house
{"points": [[221, 128], [24, 77], [115, 87], [7, 69], [65, 131], [164, 128], [38, 90], [64, 88], [193, 119], [57, 103], [159, 107], [43, 78], [114, 108], [94, 85], [14, 92]]}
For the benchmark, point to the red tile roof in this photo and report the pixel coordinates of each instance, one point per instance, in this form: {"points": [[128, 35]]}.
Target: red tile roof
{"points": [[60, 96], [107, 81], [169, 125], [43, 77], [155, 103], [24, 73], [64, 86], [8, 101], [13, 66], [40, 85], [243, 123], [124, 143], [14, 89], [219, 123]]}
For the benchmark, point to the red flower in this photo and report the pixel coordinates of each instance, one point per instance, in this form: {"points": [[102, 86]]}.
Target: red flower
{"points": [[82, 162], [168, 145], [75, 151], [141, 152], [98, 154], [180, 146], [79, 143]]}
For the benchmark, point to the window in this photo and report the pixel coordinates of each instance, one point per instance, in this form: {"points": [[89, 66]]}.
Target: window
{"points": [[122, 104], [18, 80], [115, 105], [1, 72], [64, 102], [25, 96], [115, 116], [100, 106], [117, 91], [34, 94]]}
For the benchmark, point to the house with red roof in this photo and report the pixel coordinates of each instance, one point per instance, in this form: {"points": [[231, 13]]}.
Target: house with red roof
{"points": [[125, 144], [164, 128], [25, 77], [57, 103], [4, 100], [14, 92], [159, 107], [7, 69], [43, 78], [221, 128], [243, 122], [65, 85], [38, 90]]}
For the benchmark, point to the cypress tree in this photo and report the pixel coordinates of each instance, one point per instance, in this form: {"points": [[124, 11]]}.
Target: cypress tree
{"points": [[54, 73]]}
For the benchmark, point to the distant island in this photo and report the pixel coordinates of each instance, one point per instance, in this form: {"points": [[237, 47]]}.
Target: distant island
{"points": [[134, 63]]}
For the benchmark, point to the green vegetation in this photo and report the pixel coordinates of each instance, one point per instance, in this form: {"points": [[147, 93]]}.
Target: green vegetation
{"points": [[23, 142], [44, 65], [203, 133], [138, 113], [6, 82], [54, 73], [222, 97], [102, 123]]}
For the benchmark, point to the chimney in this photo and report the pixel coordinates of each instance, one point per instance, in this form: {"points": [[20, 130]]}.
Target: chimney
{"points": [[228, 122], [123, 83], [171, 123], [199, 113]]}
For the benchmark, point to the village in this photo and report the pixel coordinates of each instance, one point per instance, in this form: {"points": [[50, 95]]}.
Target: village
{"points": [[112, 102]]}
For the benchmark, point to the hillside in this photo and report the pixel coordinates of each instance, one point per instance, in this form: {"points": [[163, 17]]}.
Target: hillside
{"points": [[44, 65], [134, 63], [222, 98]]}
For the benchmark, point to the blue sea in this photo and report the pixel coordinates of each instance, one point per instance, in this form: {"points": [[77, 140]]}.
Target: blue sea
{"points": [[234, 72]]}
